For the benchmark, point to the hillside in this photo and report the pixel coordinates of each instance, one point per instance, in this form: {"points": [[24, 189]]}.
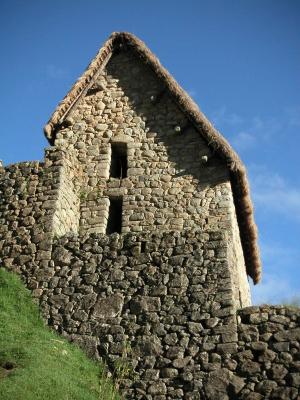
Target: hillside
{"points": [[35, 363]]}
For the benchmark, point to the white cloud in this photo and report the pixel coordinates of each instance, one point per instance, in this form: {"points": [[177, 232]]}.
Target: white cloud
{"points": [[280, 278], [192, 92], [293, 115], [285, 201], [273, 290], [243, 140], [274, 253], [55, 72], [245, 133], [222, 116], [271, 191]]}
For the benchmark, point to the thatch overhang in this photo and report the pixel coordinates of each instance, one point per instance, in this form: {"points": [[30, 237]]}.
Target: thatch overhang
{"points": [[238, 175]]}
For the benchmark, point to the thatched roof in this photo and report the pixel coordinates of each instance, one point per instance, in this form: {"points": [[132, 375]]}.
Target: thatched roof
{"points": [[214, 139]]}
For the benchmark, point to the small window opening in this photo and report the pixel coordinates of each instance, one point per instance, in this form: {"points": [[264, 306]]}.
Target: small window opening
{"points": [[143, 247], [118, 166], [114, 223]]}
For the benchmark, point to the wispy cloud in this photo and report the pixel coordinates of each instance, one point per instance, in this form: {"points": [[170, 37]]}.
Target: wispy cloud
{"points": [[55, 72], [269, 189], [245, 133], [280, 256], [243, 140], [280, 279], [274, 193], [293, 114], [192, 92], [273, 290], [223, 116]]}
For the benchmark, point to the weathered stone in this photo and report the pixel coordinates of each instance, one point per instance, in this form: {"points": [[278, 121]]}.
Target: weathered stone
{"points": [[211, 322], [258, 318], [259, 346], [277, 372], [62, 256], [284, 393], [145, 304], [288, 335], [217, 384], [87, 343], [236, 384], [281, 346], [294, 379], [229, 348], [149, 347], [108, 307], [249, 368], [267, 355], [181, 362], [254, 396], [174, 352], [157, 388], [169, 373], [266, 387], [195, 328]]}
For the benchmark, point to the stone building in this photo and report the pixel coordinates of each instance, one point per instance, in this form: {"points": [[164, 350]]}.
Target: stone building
{"points": [[137, 236]]}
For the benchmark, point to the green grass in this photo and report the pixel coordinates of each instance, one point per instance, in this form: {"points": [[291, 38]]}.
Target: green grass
{"points": [[35, 363]]}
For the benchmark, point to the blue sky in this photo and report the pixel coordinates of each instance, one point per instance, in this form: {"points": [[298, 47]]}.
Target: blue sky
{"points": [[239, 60]]}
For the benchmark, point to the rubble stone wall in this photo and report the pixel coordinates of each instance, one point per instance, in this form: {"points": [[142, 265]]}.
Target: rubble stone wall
{"points": [[269, 352], [162, 306], [27, 204], [153, 302]]}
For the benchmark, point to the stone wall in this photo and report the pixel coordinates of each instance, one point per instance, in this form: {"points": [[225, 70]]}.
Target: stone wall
{"points": [[162, 296], [152, 301], [162, 303], [156, 298], [27, 205], [67, 208], [266, 364], [269, 352], [163, 306], [169, 186], [36, 205]]}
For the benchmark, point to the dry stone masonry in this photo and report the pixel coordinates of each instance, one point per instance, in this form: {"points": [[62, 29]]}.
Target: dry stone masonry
{"points": [[136, 236]]}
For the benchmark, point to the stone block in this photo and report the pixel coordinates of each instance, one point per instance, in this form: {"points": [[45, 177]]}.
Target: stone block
{"points": [[109, 307], [288, 335]]}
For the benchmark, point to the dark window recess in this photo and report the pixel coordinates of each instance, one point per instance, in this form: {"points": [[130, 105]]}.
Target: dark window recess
{"points": [[114, 223], [143, 247], [118, 165]]}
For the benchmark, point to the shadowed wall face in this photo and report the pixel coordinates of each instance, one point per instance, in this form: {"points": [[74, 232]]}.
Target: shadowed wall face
{"points": [[124, 131], [133, 143]]}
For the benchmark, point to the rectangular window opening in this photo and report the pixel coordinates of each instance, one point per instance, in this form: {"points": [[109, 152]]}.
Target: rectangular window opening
{"points": [[118, 165], [114, 222], [143, 247]]}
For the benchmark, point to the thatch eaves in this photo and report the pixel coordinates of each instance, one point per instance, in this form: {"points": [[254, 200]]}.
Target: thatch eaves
{"points": [[239, 181]]}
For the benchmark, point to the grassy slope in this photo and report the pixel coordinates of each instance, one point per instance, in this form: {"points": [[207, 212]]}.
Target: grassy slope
{"points": [[35, 363]]}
